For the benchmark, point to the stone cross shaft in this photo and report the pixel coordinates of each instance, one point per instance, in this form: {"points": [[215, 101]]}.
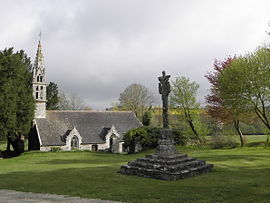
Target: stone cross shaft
{"points": [[164, 88]]}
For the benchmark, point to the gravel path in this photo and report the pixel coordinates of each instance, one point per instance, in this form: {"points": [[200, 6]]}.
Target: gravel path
{"points": [[11, 196]]}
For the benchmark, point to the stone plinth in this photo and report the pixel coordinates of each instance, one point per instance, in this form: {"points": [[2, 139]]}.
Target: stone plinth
{"points": [[166, 144], [166, 163]]}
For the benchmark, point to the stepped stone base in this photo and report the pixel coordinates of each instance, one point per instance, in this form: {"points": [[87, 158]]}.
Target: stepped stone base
{"points": [[166, 163], [166, 168]]}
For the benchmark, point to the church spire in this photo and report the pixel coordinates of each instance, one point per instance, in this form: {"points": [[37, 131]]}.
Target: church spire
{"points": [[39, 61], [39, 84]]}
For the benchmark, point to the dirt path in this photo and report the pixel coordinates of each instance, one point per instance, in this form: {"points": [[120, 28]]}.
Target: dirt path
{"points": [[11, 196]]}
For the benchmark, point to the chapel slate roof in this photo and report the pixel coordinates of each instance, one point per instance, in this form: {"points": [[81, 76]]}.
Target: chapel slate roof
{"points": [[92, 125]]}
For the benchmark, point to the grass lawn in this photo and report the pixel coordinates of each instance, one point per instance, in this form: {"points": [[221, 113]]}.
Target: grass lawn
{"points": [[250, 140], [240, 175], [255, 140]]}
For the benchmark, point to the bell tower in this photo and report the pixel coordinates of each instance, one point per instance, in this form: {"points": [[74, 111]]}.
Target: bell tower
{"points": [[39, 84]]}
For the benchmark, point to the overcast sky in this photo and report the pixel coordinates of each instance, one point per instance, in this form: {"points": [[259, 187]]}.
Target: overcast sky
{"points": [[96, 48]]}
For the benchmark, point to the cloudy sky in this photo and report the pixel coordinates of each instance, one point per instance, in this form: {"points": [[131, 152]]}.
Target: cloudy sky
{"points": [[96, 48]]}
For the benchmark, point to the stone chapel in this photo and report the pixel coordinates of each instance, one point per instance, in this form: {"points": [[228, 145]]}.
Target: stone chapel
{"points": [[69, 129]]}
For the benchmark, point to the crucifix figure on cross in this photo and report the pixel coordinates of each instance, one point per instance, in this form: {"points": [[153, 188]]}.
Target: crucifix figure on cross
{"points": [[164, 88]]}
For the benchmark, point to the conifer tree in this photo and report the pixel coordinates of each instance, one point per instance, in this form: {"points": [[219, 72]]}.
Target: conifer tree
{"points": [[52, 97], [16, 100]]}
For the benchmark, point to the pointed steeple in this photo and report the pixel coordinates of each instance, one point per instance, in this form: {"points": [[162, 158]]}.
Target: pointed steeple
{"points": [[39, 62], [39, 84]]}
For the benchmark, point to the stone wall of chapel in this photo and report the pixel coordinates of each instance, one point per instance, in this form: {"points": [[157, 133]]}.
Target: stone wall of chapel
{"points": [[85, 147], [48, 148], [117, 147], [40, 111]]}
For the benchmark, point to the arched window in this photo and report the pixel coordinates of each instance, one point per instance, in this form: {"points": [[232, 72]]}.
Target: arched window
{"points": [[36, 95], [37, 78], [37, 88], [74, 143], [41, 92], [40, 78]]}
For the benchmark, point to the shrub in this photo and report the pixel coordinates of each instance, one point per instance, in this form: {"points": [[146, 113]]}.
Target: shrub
{"points": [[146, 119], [135, 136], [179, 137], [148, 137], [220, 141], [55, 149]]}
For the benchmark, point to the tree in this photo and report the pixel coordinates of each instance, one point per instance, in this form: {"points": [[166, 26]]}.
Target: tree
{"points": [[215, 107], [135, 136], [115, 106], [76, 103], [183, 98], [250, 89], [52, 96], [71, 103], [63, 102], [16, 100], [87, 108], [136, 98], [146, 119]]}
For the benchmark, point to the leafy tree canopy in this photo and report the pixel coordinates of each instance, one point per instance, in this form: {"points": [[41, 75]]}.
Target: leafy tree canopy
{"points": [[183, 97], [245, 84], [215, 105], [136, 98]]}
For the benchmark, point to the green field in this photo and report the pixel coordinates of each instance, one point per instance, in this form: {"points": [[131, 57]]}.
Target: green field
{"points": [[250, 140], [240, 175]]}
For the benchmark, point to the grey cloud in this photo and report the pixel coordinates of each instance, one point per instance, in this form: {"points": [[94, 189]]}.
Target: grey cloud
{"points": [[97, 48]]}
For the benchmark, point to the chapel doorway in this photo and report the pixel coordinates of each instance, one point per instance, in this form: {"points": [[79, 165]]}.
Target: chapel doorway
{"points": [[94, 147], [74, 143], [111, 144]]}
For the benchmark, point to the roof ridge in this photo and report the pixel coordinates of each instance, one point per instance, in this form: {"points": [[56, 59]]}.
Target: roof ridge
{"points": [[94, 111]]}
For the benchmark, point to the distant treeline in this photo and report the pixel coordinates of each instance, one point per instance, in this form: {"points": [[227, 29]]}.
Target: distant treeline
{"points": [[253, 127]]}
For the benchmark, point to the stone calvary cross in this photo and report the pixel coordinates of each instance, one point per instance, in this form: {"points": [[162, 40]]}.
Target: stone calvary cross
{"points": [[166, 163], [164, 88], [166, 142]]}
